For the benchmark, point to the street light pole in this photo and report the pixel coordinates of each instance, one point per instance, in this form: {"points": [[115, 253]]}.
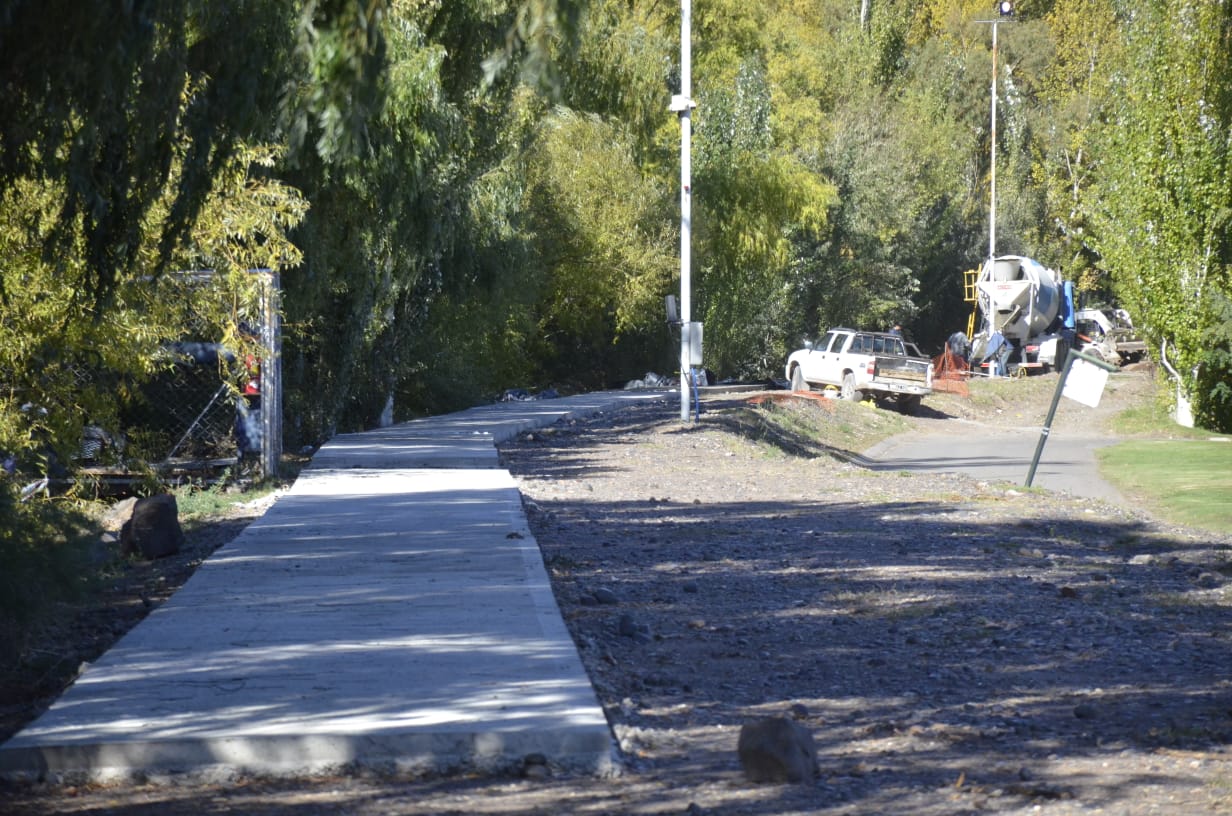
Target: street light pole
{"points": [[683, 104], [1005, 10], [992, 203]]}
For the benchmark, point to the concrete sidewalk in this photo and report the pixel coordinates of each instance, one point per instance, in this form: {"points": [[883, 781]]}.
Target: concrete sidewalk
{"points": [[390, 612]]}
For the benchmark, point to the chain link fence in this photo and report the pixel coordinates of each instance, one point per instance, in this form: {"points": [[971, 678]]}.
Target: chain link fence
{"points": [[205, 409]]}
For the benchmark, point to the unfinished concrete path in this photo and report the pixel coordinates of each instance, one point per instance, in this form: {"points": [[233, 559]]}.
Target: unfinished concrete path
{"points": [[390, 612]]}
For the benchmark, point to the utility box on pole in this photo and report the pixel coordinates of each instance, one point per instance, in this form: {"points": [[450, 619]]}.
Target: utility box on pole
{"points": [[692, 342]]}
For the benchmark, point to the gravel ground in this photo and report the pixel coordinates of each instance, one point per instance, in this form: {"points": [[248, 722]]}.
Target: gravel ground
{"points": [[954, 647]]}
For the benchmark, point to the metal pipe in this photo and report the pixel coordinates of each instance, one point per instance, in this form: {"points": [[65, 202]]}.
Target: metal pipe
{"points": [[992, 204], [686, 199]]}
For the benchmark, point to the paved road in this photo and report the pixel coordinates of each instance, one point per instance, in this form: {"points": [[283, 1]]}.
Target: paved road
{"points": [[995, 453]]}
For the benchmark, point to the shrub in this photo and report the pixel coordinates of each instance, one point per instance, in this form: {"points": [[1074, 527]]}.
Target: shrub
{"points": [[44, 560]]}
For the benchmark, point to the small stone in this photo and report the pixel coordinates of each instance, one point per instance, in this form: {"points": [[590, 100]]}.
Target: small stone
{"points": [[605, 596], [1085, 711], [777, 749], [628, 627], [535, 766], [690, 587], [1068, 592]]}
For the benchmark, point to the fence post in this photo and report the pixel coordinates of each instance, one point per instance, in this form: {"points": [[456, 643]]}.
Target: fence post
{"points": [[271, 373]]}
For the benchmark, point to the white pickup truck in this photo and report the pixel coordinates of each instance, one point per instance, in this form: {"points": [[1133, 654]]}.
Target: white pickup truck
{"points": [[863, 364]]}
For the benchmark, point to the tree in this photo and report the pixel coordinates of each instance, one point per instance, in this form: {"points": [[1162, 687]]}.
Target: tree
{"points": [[105, 120], [755, 198], [606, 246], [414, 233], [65, 363], [1074, 93], [1161, 209]]}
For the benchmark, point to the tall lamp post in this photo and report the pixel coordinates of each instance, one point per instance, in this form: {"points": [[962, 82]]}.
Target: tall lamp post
{"points": [[683, 105], [1005, 10]]}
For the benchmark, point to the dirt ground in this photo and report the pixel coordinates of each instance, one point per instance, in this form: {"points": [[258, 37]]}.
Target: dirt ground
{"points": [[953, 646]]}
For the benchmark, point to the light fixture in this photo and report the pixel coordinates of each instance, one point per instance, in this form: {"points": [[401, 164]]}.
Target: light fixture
{"points": [[1005, 8]]}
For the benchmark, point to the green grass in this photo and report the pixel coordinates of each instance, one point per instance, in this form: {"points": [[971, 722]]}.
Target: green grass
{"points": [[1151, 419], [196, 501], [1186, 481]]}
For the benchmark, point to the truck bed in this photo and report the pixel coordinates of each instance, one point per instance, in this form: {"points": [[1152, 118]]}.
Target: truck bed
{"points": [[902, 368]]}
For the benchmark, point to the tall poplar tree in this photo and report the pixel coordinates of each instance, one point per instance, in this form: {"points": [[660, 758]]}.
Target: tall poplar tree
{"points": [[1162, 208]]}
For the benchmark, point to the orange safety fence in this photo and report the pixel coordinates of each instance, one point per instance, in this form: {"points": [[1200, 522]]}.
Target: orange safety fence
{"points": [[950, 373]]}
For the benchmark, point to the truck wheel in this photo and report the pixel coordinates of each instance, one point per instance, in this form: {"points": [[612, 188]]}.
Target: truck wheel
{"points": [[850, 392], [797, 380]]}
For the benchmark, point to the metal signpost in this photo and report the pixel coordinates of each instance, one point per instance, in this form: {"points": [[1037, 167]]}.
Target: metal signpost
{"points": [[271, 373], [1090, 374]]}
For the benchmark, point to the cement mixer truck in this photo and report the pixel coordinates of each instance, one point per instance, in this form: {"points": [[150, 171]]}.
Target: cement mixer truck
{"points": [[1027, 317]]}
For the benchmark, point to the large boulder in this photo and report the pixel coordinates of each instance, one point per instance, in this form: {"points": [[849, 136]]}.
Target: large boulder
{"points": [[777, 749], [153, 531]]}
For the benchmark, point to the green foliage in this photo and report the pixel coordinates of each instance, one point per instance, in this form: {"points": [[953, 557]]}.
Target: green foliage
{"points": [[154, 99], [1214, 378], [103, 126], [755, 198], [621, 66], [1161, 206], [1074, 94], [340, 46], [530, 36], [396, 244], [466, 235], [45, 551], [605, 244], [66, 363]]}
